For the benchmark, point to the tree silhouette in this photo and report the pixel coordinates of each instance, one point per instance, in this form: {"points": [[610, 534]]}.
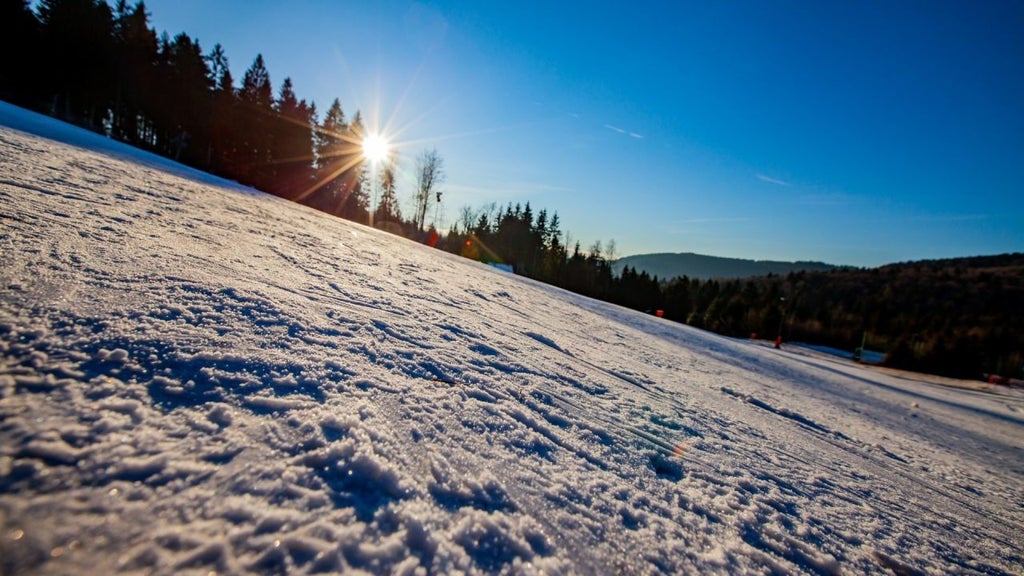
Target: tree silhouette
{"points": [[222, 152], [187, 96], [136, 46], [292, 143], [387, 213], [77, 41], [256, 103], [20, 73], [334, 157]]}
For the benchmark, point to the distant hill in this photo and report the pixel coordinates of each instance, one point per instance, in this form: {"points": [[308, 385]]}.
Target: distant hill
{"points": [[666, 266], [958, 317]]}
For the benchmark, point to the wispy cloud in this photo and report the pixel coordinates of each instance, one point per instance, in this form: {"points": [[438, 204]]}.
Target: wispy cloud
{"points": [[625, 132], [771, 180]]}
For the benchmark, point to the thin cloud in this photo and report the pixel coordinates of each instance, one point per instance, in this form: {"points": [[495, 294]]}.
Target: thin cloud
{"points": [[771, 180], [624, 132]]}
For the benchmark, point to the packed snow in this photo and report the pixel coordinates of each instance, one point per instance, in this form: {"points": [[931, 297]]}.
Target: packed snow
{"points": [[198, 378]]}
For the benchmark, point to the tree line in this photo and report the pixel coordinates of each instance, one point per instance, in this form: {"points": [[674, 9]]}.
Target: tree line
{"points": [[535, 246], [106, 69]]}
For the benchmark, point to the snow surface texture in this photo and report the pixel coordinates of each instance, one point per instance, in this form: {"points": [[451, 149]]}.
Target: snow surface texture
{"points": [[200, 378]]}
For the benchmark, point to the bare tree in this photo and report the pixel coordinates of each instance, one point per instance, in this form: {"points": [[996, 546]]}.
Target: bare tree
{"points": [[429, 175], [467, 217], [611, 252]]}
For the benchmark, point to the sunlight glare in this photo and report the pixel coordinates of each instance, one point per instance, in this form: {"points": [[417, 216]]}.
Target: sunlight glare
{"points": [[375, 147]]}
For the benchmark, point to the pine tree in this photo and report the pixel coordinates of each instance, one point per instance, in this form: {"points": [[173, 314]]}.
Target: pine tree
{"points": [[77, 40], [387, 213], [292, 144], [338, 165], [188, 94], [357, 204], [329, 138], [136, 46], [20, 67], [223, 144], [555, 254], [252, 124]]}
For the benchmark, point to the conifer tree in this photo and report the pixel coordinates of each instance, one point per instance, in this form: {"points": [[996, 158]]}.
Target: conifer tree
{"points": [[555, 254], [338, 164], [292, 143], [20, 67], [77, 40], [329, 138], [188, 98], [223, 148], [136, 56], [255, 111], [387, 212], [357, 203]]}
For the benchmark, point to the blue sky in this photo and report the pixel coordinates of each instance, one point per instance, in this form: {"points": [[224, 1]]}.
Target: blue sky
{"points": [[857, 133]]}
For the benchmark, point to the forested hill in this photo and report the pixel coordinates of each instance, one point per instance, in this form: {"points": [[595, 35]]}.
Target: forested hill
{"points": [[959, 317], [667, 266]]}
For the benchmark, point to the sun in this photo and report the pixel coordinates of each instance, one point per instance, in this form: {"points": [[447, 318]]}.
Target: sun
{"points": [[375, 148]]}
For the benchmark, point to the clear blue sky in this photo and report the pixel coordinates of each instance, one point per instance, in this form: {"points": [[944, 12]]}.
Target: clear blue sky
{"points": [[854, 133]]}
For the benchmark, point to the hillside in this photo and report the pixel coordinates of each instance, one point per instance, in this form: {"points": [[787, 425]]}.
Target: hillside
{"points": [[961, 317], [667, 266], [196, 377]]}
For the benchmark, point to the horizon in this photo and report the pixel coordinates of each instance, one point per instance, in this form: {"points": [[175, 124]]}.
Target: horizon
{"points": [[858, 135], [832, 264]]}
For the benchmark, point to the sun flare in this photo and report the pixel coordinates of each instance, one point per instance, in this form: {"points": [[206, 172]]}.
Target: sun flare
{"points": [[375, 147]]}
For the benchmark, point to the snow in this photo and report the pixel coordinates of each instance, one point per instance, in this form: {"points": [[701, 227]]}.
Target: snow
{"points": [[866, 356], [198, 378]]}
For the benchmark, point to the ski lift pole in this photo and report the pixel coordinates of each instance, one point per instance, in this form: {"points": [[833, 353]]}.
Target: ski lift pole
{"points": [[858, 354]]}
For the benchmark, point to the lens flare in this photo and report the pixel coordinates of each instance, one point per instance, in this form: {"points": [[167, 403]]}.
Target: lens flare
{"points": [[375, 148]]}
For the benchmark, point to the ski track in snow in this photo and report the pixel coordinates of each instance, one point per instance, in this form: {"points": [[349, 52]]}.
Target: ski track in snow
{"points": [[198, 377]]}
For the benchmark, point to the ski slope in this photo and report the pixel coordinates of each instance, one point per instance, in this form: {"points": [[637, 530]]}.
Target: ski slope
{"points": [[196, 377]]}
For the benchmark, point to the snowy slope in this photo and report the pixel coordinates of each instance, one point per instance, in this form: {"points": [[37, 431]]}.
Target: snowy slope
{"points": [[199, 378]]}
